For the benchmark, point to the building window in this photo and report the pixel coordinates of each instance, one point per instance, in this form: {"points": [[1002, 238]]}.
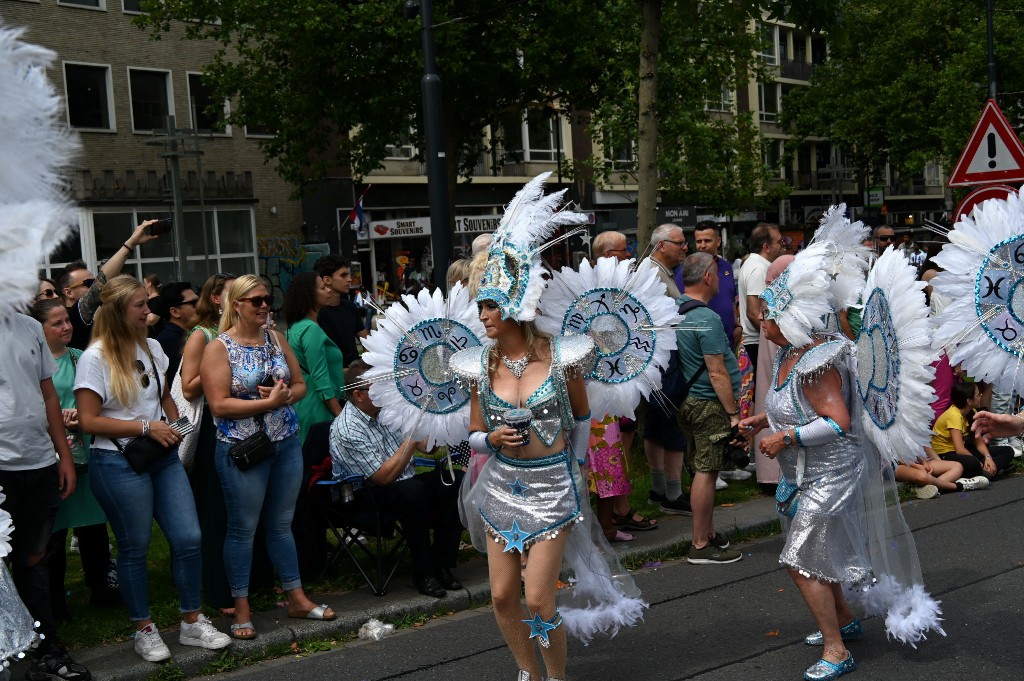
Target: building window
{"points": [[404, 150], [619, 155], [93, 4], [770, 97], [542, 134], [256, 131], [723, 102], [511, 140], [151, 97], [89, 100], [770, 43], [66, 252], [204, 111], [229, 237], [133, 6]]}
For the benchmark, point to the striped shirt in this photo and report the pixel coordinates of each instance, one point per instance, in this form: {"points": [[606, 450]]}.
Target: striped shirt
{"points": [[360, 445]]}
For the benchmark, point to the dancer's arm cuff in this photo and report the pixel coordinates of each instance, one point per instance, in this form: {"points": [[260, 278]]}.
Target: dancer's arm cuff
{"points": [[821, 430]]}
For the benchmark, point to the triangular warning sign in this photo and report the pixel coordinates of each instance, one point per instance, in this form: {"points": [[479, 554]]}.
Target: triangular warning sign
{"points": [[994, 153]]}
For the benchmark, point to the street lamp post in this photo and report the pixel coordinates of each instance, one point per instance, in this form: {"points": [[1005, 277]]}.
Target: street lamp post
{"points": [[437, 172]]}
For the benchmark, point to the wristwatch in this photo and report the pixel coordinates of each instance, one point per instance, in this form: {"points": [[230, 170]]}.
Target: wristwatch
{"points": [[787, 439]]}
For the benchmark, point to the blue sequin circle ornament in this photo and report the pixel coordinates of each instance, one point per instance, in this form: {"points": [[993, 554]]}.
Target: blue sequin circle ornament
{"points": [[422, 373], [878, 361], [999, 295], [615, 320]]}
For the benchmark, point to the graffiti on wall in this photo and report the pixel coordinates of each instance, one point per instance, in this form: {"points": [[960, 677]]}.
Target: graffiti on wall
{"points": [[283, 257]]}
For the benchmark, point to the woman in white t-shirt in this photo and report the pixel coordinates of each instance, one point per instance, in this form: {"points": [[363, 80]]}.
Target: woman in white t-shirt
{"points": [[121, 395]]}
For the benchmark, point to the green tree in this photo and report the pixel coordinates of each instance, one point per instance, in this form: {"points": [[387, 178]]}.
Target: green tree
{"points": [[702, 155], [906, 80], [338, 81]]}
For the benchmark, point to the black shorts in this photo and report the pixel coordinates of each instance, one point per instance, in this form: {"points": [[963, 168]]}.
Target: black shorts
{"points": [[663, 429], [32, 500]]}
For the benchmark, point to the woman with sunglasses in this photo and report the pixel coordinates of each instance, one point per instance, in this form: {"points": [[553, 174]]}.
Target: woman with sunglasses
{"points": [[319, 358], [251, 379], [122, 395], [213, 515], [47, 290], [80, 511]]}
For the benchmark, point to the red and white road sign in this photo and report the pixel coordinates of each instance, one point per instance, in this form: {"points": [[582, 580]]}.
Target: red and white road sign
{"points": [[995, 191], [994, 153]]}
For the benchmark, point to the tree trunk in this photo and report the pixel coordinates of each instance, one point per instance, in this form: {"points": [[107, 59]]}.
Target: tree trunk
{"points": [[647, 144]]}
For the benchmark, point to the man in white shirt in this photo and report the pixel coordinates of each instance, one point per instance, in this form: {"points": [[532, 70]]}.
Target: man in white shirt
{"points": [[765, 246]]}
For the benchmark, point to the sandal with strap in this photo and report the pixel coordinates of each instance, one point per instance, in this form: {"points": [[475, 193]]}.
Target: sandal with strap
{"points": [[235, 628], [628, 521]]}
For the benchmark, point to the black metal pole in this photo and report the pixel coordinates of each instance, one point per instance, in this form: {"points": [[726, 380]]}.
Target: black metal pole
{"points": [[437, 172], [991, 50]]}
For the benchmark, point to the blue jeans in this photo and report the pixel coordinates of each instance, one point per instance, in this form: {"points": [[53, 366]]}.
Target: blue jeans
{"points": [[132, 501], [268, 492]]}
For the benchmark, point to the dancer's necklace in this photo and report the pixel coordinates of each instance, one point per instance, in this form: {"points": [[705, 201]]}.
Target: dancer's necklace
{"points": [[516, 366]]}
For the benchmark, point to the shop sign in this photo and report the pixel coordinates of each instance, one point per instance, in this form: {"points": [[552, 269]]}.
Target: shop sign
{"points": [[395, 229], [476, 223]]}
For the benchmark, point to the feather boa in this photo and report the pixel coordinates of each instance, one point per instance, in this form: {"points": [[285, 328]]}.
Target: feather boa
{"points": [[909, 612]]}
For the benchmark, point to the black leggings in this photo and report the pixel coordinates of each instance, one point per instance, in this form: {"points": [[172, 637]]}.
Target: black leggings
{"points": [[1001, 455]]}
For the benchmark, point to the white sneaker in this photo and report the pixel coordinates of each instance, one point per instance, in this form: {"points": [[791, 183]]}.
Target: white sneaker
{"points": [[150, 646], [203, 634], [927, 492], [720, 484], [977, 482], [737, 474]]}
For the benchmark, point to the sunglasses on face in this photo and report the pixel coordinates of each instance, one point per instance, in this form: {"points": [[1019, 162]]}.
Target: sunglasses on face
{"points": [[259, 301], [186, 302], [144, 377], [47, 293], [85, 282], [883, 237]]}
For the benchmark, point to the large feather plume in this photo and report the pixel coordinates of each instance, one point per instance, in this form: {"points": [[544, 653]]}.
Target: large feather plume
{"points": [[571, 291], [396, 410], [894, 356], [35, 146], [848, 261], [959, 328]]}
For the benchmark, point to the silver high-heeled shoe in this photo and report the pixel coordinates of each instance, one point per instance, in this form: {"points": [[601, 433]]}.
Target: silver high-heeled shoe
{"points": [[523, 675]]}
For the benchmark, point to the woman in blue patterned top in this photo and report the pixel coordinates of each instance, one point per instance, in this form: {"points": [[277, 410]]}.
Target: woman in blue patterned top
{"points": [[251, 379]]}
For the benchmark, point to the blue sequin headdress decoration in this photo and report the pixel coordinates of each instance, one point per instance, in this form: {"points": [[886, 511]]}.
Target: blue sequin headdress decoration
{"points": [[514, 274]]}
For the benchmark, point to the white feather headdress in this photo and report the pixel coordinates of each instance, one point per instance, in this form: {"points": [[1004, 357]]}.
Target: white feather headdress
{"points": [[982, 270], [798, 299], [35, 146], [514, 274]]}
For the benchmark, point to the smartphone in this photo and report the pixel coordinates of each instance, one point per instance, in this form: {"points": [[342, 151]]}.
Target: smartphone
{"points": [[161, 226], [268, 381], [183, 426]]}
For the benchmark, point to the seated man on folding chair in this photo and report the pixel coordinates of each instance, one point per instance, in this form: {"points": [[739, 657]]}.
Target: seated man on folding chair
{"points": [[361, 445]]}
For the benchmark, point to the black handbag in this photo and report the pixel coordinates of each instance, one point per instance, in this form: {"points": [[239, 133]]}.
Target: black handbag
{"points": [[254, 449], [142, 452]]}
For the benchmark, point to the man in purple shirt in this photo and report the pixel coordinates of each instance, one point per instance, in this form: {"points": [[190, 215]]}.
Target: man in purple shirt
{"points": [[708, 240]]}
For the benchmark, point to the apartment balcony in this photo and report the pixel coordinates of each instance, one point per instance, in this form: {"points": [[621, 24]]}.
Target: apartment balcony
{"points": [[795, 69], [129, 186]]}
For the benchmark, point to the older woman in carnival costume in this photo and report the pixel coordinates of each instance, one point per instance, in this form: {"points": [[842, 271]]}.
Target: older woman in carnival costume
{"points": [[530, 414], [847, 546]]}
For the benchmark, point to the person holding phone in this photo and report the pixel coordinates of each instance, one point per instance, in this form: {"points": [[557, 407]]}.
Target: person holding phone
{"points": [[251, 379], [81, 289], [122, 395]]}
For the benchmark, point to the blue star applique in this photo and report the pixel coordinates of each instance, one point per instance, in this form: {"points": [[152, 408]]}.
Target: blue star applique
{"points": [[518, 488], [514, 538], [540, 628]]}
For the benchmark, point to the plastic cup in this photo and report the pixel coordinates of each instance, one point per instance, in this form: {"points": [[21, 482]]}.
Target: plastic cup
{"points": [[520, 420]]}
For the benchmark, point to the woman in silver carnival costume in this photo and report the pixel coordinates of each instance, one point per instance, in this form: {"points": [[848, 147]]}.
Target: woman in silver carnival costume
{"points": [[847, 546], [524, 509]]}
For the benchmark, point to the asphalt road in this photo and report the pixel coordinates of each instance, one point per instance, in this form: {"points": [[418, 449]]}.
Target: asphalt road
{"points": [[746, 620]]}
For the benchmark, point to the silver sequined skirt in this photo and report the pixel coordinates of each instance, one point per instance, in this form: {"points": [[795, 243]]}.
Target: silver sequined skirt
{"points": [[523, 501]]}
